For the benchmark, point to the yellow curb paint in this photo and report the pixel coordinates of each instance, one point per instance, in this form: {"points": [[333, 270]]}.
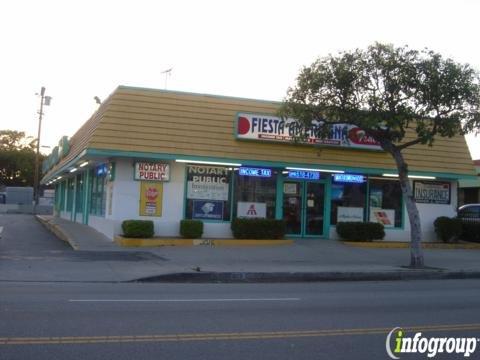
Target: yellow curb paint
{"points": [[237, 242], [134, 242], [405, 245]]}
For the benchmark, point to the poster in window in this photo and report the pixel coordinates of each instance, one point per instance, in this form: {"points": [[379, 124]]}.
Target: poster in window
{"points": [[208, 183], [386, 217], [345, 214], [376, 197], [290, 188], [251, 210], [151, 195], [207, 210], [432, 192]]}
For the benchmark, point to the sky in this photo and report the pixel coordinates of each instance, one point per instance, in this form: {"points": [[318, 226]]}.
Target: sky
{"points": [[255, 49]]}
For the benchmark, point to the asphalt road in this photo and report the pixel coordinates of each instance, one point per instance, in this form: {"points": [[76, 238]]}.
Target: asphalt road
{"points": [[229, 321]]}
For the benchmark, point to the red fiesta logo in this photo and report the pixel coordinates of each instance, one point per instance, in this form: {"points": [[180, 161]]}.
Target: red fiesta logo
{"points": [[243, 126]]}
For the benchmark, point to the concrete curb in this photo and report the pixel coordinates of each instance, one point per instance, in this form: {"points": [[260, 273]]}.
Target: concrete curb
{"points": [[406, 245], [57, 231], [286, 277]]}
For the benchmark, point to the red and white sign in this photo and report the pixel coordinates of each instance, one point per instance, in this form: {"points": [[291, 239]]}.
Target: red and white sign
{"points": [[273, 128], [251, 210], [152, 171]]}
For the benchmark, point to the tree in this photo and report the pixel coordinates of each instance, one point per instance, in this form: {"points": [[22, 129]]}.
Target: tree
{"points": [[17, 158], [389, 93]]}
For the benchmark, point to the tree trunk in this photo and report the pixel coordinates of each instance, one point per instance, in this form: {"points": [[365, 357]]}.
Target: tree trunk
{"points": [[416, 251]]}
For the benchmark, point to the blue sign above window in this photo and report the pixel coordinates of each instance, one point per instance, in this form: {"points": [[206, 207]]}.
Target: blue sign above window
{"points": [[258, 172], [102, 170], [349, 178], [305, 175]]}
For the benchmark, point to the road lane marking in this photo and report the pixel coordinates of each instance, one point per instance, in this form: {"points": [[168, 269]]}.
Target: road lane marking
{"points": [[184, 300], [1, 230], [263, 335]]}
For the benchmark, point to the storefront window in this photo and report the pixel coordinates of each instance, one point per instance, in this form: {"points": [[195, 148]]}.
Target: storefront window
{"points": [[99, 193], [348, 202], [385, 199], [70, 192], [208, 193], [255, 192]]}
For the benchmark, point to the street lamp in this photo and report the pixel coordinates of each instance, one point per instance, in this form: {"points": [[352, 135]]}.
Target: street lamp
{"points": [[44, 100]]}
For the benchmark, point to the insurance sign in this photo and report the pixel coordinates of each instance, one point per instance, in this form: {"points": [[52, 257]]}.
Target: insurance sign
{"points": [[272, 128], [432, 192]]}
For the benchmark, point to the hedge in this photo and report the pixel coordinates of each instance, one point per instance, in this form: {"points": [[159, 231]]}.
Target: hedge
{"points": [[470, 231], [360, 231], [258, 228], [191, 229], [447, 229], [137, 228]]}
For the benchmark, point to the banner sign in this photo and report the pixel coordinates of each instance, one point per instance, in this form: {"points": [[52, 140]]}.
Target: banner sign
{"points": [[432, 192], [273, 128], [151, 195], [152, 171], [258, 172], [207, 183], [207, 210], [251, 210], [345, 214], [349, 178], [386, 217], [303, 175]]}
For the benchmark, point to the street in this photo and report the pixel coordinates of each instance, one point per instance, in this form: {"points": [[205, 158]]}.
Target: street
{"points": [[229, 321]]}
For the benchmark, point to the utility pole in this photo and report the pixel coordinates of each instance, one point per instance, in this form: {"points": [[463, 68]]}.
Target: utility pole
{"points": [[44, 100]]}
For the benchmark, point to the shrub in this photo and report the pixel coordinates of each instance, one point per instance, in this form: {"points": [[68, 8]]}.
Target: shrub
{"points": [[470, 231], [360, 231], [191, 229], [258, 228], [447, 229], [138, 228]]}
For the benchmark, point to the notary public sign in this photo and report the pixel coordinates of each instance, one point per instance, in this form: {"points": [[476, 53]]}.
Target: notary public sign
{"points": [[272, 128], [152, 171]]}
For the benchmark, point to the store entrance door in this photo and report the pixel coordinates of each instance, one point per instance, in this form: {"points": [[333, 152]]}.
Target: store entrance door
{"points": [[304, 207]]}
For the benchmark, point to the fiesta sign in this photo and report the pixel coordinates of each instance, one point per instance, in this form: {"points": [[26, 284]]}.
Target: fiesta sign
{"points": [[273, 128], [152, 171]]}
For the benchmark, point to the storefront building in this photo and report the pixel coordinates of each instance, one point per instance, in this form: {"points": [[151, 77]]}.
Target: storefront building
{"points": [[168, 156]]}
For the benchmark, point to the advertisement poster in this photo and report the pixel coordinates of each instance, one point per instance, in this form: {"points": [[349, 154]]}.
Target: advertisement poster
{"points": [[207, 210], [383, 216], [151, 195], [290, 188], [432, 192], [251, 210], [376, 198], [208, 183], [345, 214]]}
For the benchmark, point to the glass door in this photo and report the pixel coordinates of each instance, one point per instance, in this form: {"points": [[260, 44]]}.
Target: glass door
{"points": [[293, 207], [315, 199], [303, 208]]}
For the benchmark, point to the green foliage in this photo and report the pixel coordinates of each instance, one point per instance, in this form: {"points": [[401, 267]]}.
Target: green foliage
{"points": [[17, 159], [447, 229], [258, 228], [470, 231], [191, 229], [137, 228], [386, 91], [360, 231]]}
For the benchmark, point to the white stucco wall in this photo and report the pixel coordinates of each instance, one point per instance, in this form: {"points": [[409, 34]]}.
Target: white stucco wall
{"points": [[126, 199]]}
